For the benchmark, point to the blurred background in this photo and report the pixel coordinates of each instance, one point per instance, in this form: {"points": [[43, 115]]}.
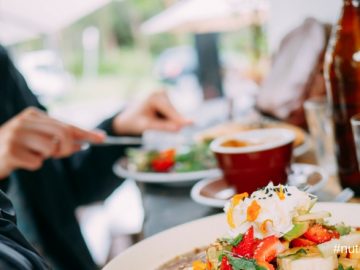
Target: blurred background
{"points": [[93, 56], [86, 59]]}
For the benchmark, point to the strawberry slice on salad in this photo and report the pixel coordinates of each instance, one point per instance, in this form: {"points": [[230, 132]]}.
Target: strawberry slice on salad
{"points": [[247, 245], [302, 242], [267, 250], [164, 161], [225, 265], [319, 234]]}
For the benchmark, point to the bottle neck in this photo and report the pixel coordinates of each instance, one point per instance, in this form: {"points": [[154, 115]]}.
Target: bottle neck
{"points": [[354, 3], [350, 16]]}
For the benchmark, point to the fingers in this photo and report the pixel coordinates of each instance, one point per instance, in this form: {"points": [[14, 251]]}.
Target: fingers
{"points": [[162, 104], [73, 138], [32, 136], [27, 160], [38, 143], [163, 125], [90, 136], [59, 134], [17, 156], [68, 138]]}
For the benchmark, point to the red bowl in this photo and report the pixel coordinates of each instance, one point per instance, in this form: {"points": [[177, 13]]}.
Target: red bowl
{"points": [[248, 168]]}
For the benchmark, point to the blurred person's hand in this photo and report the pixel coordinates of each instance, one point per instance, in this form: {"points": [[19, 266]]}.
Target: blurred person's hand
{"points": [[32, 136], [155, 112]]}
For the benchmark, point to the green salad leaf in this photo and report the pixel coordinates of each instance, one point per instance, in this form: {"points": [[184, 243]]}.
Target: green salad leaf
{"points": [[232, 241], [341, 267], [341, 228], [244, 264], [237, 240]]}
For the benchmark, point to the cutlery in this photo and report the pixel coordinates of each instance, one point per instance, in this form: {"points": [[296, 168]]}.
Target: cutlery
{"points": [[113, 140]]}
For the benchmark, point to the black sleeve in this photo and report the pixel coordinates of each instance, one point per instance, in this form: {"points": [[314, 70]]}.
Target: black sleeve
{"points": [[4, 184], [15, 95], [15, 250], [91, 174]]}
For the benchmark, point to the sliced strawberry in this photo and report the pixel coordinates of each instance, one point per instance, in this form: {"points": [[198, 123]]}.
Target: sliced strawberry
{"points": [[162, 165], [247, 245], [225, 265], [319, 234], [268, 249], [302, 242], [164, 161]]}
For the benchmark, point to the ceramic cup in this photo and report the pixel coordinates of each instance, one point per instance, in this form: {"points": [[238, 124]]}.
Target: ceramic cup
{"points": [[261, 156]]}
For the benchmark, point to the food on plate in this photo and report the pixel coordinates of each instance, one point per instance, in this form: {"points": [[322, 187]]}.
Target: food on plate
{"points": [[220, 130], [182, 261], [190, 158], [232, 128], [275, 228], [236, 143], [300, 134]]}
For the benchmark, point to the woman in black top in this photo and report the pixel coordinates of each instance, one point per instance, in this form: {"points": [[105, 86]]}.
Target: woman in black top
{"points": [[44, 174]]}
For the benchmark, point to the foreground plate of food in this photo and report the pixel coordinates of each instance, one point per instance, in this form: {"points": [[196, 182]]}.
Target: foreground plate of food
{"points": [[215, 191], [184, 164], [277, 227]]}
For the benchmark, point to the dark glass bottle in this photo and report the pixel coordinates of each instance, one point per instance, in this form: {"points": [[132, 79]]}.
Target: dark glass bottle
{"points": [[342, 75]]}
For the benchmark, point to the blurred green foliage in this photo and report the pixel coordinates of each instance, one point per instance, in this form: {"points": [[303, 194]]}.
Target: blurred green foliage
{"points": [[124, 49], [122, 43]]}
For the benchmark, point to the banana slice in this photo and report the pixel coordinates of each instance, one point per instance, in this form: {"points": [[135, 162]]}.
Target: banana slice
{"points": [[312, 260], [309, 263]]}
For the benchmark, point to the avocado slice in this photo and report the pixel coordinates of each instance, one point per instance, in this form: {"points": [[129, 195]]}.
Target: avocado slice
{"points": [[299, 229]]}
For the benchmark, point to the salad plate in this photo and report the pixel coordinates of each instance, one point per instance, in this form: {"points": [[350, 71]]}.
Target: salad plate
{"points": [[183, 164], [153, 252], [121, 169], [215, 191]]}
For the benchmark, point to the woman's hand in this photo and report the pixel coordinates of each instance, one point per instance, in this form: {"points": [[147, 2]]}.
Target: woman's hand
{"points": [[32, 136], [156, 112]]}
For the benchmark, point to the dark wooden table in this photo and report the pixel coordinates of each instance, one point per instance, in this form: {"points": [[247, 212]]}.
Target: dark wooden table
{"points": [[168, 206]]}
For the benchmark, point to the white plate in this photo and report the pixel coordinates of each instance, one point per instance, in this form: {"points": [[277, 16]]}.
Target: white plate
{"points": [[215, 191], [163, 247], [120, 169]]}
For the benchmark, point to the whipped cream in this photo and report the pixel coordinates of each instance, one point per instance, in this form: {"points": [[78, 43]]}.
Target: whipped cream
{"points": [[269, 210]]}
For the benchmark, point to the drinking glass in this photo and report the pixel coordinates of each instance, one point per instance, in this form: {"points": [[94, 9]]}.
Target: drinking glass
{"points": [[321, 131]]}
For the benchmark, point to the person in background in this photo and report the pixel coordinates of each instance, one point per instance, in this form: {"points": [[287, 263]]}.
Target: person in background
{"points": [[46, 175]]}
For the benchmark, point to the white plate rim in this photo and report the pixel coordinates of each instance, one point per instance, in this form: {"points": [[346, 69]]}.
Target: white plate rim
{"points": [[196, 196], [162, 247], [147, 177], [218, 203]]}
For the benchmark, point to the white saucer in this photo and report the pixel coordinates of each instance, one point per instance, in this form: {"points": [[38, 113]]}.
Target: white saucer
{"points": [[216, 192]]}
